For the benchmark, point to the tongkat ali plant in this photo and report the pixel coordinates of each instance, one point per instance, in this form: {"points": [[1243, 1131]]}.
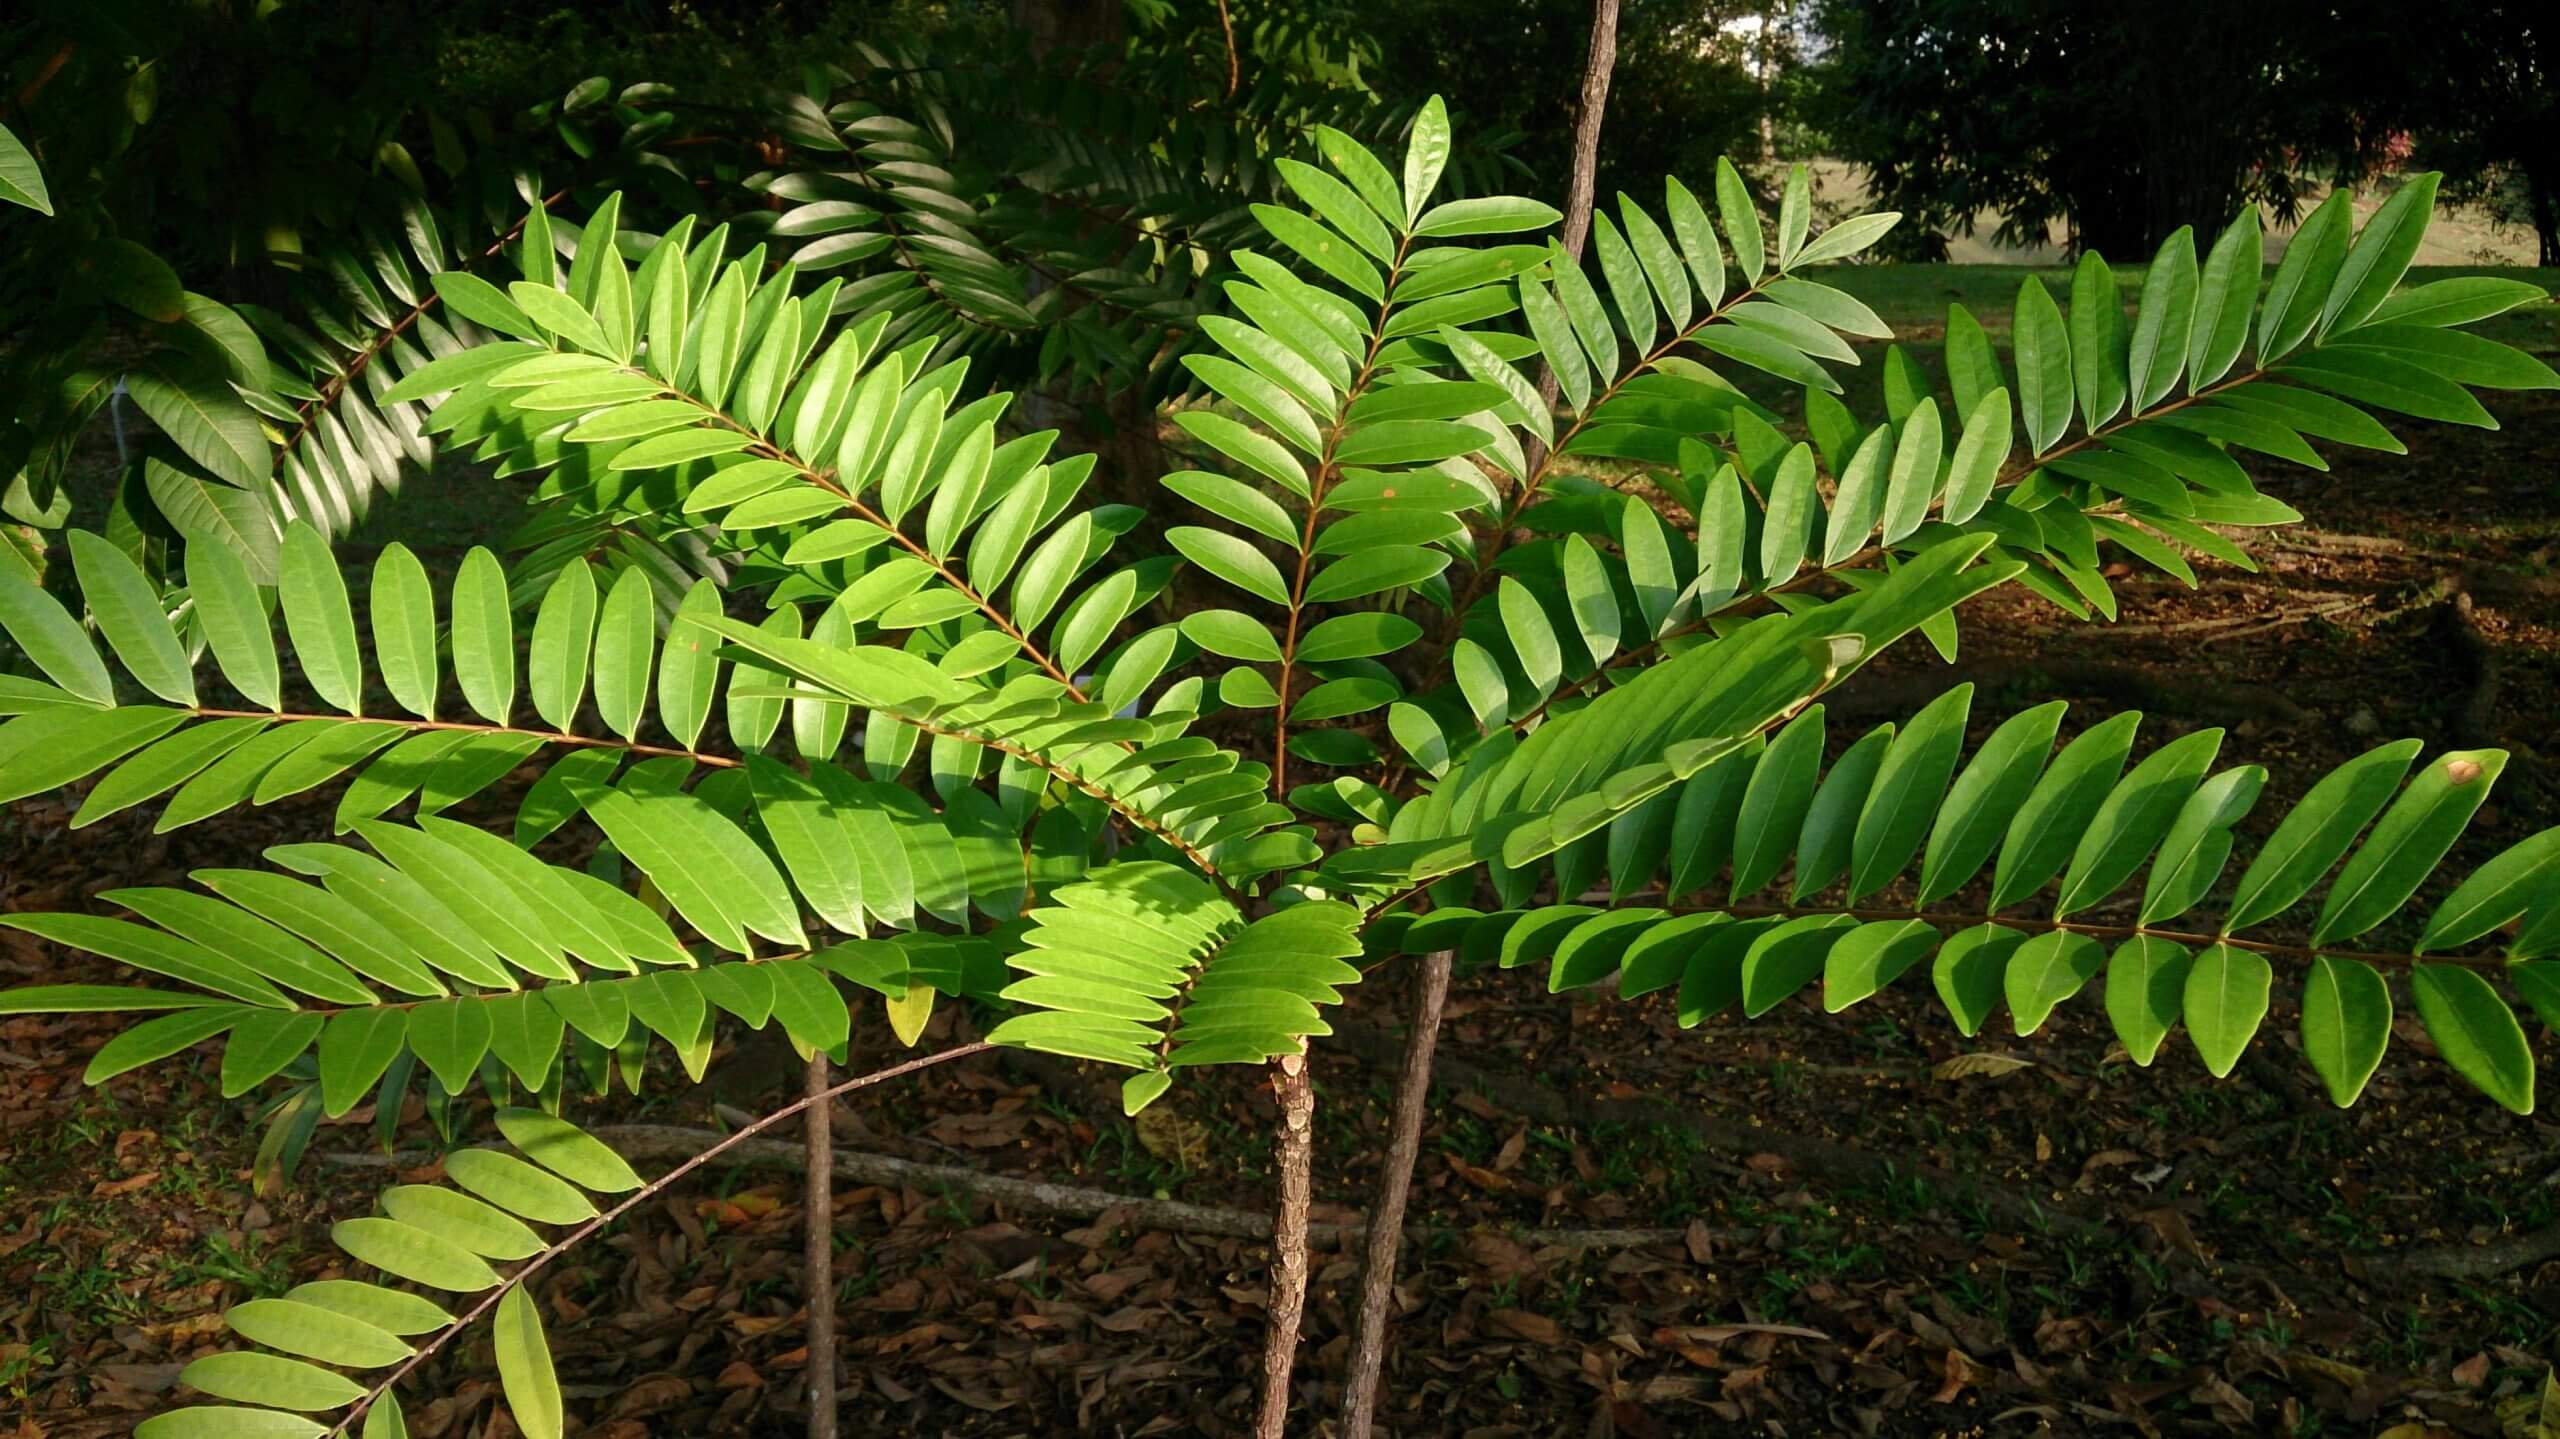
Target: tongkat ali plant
{"points": [[1474, 694]]}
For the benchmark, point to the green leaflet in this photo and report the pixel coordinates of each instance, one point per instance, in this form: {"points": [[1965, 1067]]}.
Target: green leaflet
{"points": [[129, 612], [2496, 892], [2146, 992], [563, 636], [315, 1333], [316, 615], [1830, 823], [1775, 801], [2346, 1024], [48, 635], [2198, 842], [524, 1367], [235, 621], [2041, 836], [2476, 1032], [1909, 784], [2164, 321], [2407, 842], [2044, 362], [1985, 797], [2316, 833], [2046, 970], [251, 1378], [2134, 818], [2226, 1001], [1971, 973], [2226, 296], [1871, 957], [484, 648], [404, 630], [567, 1152]]}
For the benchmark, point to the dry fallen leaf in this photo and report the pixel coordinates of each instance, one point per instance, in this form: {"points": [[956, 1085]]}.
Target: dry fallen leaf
{"points": [[113, 1188], [1165, 1132], [1522, 1324], [2172, 1228], [1968, 1066], [1958, 1371], [1480, 1178]]}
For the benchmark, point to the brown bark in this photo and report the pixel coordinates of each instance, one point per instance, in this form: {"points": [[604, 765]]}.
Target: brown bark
{"points": [[1598, 61], [1601, 58], [1294, 1159], [818, 1263], [1395, 1185]]}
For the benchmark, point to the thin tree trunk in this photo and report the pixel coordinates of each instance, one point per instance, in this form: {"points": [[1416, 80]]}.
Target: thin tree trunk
{"points": [[1295, 1162], [1768, 84], [1601, 59], [818, 1264], [1597, 64], [1395, 1184]]}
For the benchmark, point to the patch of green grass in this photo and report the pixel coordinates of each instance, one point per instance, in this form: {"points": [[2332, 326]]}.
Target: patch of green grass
{"points": [[17, 1370], [257, 1265]]}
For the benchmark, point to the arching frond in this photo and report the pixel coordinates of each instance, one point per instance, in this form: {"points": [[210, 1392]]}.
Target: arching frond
{"points": [[2065, 835], [496, 1206], [1143, 965], [446, 944]]}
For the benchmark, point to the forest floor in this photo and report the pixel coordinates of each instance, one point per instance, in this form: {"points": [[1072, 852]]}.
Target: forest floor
{"points": [[1806, 1225]]}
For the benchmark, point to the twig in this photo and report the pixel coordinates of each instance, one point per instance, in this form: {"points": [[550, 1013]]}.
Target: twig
{"points": [[2462, 1261], [1235, 71], [1033, 1196], [1601, 59], [2331, 604], [818, 1261], [1395, 1185], [52, 66], [308, 414]]}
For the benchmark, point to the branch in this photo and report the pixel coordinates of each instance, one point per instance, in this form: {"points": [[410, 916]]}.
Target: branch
{"points": [[1227, 23], [1315, 508], [1025, 1196], [2112, 931], [1117, 804], [825, 480], [2009, 478], [309, 411], [637, 1197], [558, 737], [61, 56]]}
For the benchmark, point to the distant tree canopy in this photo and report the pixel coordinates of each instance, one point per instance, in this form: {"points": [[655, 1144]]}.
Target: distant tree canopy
{"points": [[2124, 121], [1684, 91], [2489, 108]]}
